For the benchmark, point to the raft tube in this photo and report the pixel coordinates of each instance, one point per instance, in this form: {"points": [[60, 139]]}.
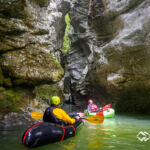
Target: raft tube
{"points": [[46, 132], [109, 113]]}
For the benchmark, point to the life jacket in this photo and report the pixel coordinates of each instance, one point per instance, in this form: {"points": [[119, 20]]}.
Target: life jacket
{"points": [[50, 117], [93, 107]]}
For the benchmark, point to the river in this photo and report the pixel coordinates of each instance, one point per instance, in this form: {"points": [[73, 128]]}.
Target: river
{"points": [[118, 133]]}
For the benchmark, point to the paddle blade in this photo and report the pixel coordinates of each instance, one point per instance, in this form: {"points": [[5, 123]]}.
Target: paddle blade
{"points": [[36, 115], [100, 113], [95, 119]]}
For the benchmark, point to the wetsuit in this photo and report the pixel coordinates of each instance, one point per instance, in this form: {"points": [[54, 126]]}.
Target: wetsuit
{"points": [[58, 116]]}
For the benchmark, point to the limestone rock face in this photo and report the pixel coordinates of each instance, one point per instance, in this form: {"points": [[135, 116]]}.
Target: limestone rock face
{"points": [[79, 52], [28, 66], [118, 51], [31, 36], [109, 57], [122, 65], [45, 92]]}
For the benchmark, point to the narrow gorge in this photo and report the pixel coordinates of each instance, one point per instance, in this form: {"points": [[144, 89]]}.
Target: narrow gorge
{"points": [[107, 55]]}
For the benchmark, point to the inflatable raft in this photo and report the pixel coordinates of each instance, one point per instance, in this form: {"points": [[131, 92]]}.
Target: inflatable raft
{"points": [[46, 132], [108, 113]]}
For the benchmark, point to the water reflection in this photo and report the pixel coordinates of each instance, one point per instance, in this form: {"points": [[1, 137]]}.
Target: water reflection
{"points": [[114, 134], [70, 145], [100, 133]]}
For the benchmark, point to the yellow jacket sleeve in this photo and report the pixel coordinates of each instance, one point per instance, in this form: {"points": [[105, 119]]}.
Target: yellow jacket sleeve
{"points": [[61, 114]]}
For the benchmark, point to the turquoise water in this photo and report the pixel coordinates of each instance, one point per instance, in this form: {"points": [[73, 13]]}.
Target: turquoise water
{"points": [[119, 133]]}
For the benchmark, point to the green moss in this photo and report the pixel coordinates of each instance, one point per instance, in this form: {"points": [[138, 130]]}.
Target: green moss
{"points": [[55, 61], [66, 43], [13, 99], [9, 101], [5, 47], [45, 92]]}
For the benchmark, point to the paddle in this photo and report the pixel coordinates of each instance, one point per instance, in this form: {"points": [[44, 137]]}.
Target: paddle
{"points": [[36, 115], [92, 119]]}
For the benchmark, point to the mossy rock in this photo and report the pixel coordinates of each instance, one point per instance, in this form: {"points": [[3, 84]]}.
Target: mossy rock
{"points": [[55, 61], [11, 100], [5, 47], [32, 67], [45, 92]]}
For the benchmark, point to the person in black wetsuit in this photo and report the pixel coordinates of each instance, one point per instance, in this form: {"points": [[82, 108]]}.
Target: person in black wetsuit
{"points": [[57, 115]]}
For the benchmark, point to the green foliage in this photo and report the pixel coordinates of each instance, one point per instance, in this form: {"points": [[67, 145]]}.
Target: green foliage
{"points": [[66, 43]]}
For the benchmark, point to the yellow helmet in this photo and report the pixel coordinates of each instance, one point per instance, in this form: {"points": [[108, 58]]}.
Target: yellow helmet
{"points": [[55, 100]]}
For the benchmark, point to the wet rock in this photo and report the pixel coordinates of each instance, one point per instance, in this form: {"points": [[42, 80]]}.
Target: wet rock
{"points": [[125, 55], [12, 99], [116, 58], [31, 67], [31, 27], [31, 37], [28, 33], [79, 51], [45, 92], [43, 3], [22, 116]]}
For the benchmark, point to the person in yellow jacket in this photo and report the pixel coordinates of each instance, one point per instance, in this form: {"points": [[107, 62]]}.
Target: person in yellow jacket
{"points": [[57, 115]]}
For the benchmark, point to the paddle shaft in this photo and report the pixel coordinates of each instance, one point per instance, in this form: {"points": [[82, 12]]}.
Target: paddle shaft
{"points": [[93, 119]]}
